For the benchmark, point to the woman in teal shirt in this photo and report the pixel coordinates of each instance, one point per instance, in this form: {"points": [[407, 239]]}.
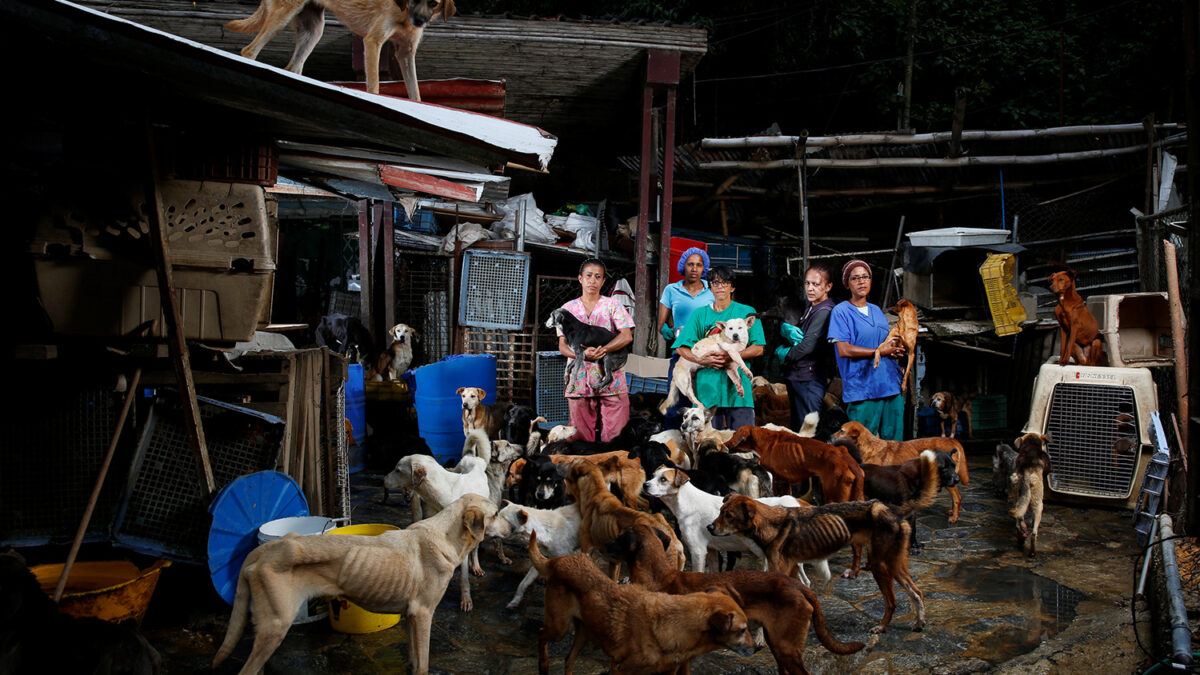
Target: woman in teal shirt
{"points": [[713, 387]]}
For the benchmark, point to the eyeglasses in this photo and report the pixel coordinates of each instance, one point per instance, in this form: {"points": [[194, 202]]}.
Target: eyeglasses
{"points": [[719, 282], [860, 277]]}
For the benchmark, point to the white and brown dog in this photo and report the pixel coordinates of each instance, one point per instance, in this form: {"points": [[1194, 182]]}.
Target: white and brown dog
{"points": [[479, 415], [376, 21], [557, 532], [1026, 488], [732, 338]]}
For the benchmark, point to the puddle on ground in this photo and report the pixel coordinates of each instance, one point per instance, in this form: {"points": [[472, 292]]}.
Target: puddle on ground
{"points": [[1024, 609]]}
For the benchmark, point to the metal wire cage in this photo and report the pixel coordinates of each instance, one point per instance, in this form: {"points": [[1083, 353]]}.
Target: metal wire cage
{"points": [[1091, 452], [164, 512], [494, 289], [551, 403]]}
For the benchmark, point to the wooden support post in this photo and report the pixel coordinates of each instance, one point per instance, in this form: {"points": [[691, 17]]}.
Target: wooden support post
{"points": [[365, 266], [664, 248], [641, 289], [176, 343], [1148, 124], [387, 245], [130, 394], [1178, 340]]}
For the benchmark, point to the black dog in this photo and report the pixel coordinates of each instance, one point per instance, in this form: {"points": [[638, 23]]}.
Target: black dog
{"points": [[830, 422], [36, 638], [735, 469], [345, 335], [637, 431], [518, 421], [541, 484], [900, 483], [646, 404], [580, 335]]}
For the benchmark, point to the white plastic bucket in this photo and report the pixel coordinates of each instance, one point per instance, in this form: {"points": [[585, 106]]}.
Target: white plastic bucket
{"points": [[316, 608]]}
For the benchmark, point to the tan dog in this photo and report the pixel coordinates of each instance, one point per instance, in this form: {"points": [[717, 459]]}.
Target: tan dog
{"points": [[948, 407], [905, 330], [641, 631], [792, 535], [875, 450], [403, 571], [794, 460], [781, 605], [1026, 487], [604, 517], [1078, 330], [393, 361], [479, 415], [376, 21]]}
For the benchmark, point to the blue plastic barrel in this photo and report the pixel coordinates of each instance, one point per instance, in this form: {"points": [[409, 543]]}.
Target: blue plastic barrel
{"points": [[356, 413], [439, 408]]}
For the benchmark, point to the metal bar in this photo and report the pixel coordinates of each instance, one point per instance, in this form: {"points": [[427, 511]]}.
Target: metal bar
{"points": [[1080, 237], [943, 162], [891, 274], [1181, 637], [176, 342], [935, 137], [130, 394], [1141, 587], [851, 253]]}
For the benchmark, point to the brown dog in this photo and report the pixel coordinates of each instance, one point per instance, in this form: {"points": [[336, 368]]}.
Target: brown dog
{"points": [[617, 468], [904, 330], [948, 407], [875, 450], [791, 535], [641, 631], [794, 460], [781, 605], [1026, 488], [376, 21], [604, 517], [479, 415], [404, 571], [1078, 330]]}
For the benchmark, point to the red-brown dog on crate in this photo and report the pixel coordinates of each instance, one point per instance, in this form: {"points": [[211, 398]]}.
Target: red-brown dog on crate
{"points": [[1078, 329], [402, 22]]}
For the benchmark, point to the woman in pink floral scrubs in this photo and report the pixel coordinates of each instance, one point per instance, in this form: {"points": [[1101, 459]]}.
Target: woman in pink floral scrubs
{"points": [[591, 406]]}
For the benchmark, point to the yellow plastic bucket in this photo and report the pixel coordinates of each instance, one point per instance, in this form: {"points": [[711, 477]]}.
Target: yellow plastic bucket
{"points": [[347, 617]]}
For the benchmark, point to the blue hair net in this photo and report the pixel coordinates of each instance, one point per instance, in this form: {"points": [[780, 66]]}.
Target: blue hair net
{"points": [[689, 253]]}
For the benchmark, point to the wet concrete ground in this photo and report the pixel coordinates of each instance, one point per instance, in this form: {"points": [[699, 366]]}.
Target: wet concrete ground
{"points": [[989, 608]]}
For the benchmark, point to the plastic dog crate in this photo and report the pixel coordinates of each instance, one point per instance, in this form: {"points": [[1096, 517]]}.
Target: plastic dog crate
{"points": [[1135, 327], [549, 388], [494, 289]]}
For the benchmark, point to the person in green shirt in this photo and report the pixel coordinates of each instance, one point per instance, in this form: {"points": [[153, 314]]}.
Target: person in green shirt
{"points": [[713, 387]]}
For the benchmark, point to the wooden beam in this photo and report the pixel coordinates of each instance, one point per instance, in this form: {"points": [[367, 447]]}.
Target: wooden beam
{"points": [[935, 137], [176, 343], [365, 266]]}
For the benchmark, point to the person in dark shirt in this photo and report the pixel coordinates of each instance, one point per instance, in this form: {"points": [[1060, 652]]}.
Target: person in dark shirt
{"points": [[808, 365]]}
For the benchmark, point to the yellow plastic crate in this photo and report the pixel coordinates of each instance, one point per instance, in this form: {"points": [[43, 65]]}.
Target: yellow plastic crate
{"points": [[997, 274]]}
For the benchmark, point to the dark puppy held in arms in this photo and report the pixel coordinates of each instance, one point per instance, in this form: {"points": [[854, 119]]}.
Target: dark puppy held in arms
{"points": [[401, 22], [580, 335]]}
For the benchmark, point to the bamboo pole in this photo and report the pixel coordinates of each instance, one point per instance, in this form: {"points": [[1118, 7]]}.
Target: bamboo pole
{"points": [[933, 137], [945, 162], [130, 394], [1177, 337]]}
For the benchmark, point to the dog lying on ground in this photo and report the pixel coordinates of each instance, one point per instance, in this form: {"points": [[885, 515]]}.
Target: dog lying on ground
{"points": [[603, 516], [1026, 488], [437, 487], [792, 535], [641, 631], [36, 638], [1079, 333], [948, 407], [732, 338], [345, 335], [376, 21], [900, 483], [479, 415], [794, 459], [396, 359], [400, 571], [579, 336], [875, 450], [557, 530], [905, 331], [783, 606], [695, 510]]}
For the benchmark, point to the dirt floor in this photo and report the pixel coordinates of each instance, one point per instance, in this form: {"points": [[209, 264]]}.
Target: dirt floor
{"points": [[989, 608]]}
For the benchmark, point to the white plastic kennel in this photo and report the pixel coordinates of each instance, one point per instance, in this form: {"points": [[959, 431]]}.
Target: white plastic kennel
{"points": [[1096, 418]]}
